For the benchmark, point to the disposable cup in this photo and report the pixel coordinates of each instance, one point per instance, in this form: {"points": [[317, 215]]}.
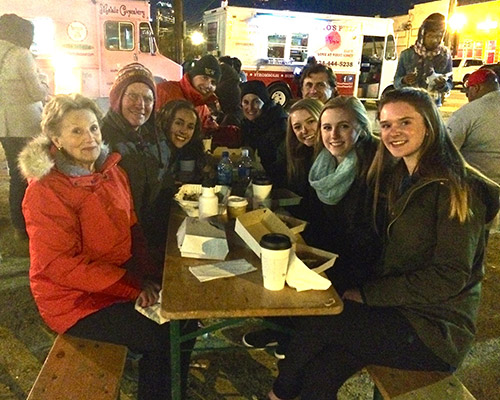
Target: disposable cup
{"points": [[236, 206], [275, 254], [261, 188]]}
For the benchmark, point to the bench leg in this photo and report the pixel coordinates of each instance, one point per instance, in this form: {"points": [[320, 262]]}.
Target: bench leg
{"points": [[376, 394]]}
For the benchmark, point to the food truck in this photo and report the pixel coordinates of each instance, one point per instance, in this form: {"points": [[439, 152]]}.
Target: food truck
{"points": [[81, 44], [275, 45]]}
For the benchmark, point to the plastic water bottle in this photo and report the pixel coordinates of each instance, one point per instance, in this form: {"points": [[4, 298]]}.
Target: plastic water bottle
{"points": [[225, 170], [245, 167], [208, 203]]}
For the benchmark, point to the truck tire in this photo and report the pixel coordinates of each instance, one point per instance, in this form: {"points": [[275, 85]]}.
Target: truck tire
{"points": [[280, 93]]}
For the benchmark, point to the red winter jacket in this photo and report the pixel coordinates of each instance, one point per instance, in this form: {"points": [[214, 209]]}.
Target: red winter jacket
{"points": [[80, 235], [171, 90]]}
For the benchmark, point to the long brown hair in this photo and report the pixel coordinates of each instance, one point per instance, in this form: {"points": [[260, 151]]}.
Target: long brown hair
{"points": [[297, 153], [439, 158]]}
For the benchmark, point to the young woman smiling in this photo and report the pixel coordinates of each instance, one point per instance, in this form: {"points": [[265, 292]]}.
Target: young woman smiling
{"points": [[419, 308]]}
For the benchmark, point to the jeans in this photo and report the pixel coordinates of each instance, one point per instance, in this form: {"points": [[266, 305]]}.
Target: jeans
{"points": [[12, 146], [325, 351], [120, 323]]}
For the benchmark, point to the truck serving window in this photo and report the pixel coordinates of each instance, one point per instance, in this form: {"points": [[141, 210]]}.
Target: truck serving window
{"points": [[276, 46], [298, 46], [119, 35]]}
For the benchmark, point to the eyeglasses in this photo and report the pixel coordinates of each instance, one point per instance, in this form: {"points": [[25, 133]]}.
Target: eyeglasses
{"points": [[135, 98]]}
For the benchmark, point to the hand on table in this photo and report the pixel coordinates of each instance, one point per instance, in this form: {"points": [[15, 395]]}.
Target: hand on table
{"points": [[353, 295], [149, 294]]}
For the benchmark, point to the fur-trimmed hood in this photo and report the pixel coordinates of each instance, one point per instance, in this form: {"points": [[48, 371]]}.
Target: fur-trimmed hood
{"points": [[39, 157]]}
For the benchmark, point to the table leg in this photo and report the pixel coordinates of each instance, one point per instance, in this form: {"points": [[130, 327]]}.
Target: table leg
{"points": [[175, 358]]}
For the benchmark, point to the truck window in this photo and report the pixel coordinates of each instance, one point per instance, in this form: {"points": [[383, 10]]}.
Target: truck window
{"points": [[145, 38], [390, 48], [119, 35], [276, 46], [298, 46]]}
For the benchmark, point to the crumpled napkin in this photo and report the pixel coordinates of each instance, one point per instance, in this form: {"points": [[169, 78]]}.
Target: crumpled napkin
{"points": [[152, 312], [300, 277], [223, 269]]}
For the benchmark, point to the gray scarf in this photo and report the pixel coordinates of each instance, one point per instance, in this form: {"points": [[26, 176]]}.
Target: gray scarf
{"points": [[331, 180]]}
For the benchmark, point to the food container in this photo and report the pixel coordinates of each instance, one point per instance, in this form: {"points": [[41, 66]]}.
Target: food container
{"points": [[188, 195]]}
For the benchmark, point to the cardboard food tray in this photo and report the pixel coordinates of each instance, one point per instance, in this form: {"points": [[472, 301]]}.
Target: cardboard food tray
{"points": [[190, 207], [284, 197], [316, 259], [255, 224], [294, 224]]}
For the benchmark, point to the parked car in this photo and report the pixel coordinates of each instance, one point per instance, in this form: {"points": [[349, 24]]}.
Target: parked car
{"points": [[463, 67], [494, 67]]}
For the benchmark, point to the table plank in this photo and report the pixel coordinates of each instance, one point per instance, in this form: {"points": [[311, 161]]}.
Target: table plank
{"points": [[184, 297]]}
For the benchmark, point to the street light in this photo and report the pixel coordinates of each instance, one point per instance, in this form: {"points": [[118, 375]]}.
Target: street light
{"points": [[197, 38], [457, 22]]}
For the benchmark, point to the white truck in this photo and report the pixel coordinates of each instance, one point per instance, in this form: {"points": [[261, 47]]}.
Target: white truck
{"points": [[81, 44], [274, 46]]}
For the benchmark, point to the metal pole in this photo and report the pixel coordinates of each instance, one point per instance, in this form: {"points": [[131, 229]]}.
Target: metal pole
{"points": [[179, 30], [451, 9]]}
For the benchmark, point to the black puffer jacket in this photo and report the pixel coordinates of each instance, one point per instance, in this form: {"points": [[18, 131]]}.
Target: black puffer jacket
{"points": [[265, 135]]}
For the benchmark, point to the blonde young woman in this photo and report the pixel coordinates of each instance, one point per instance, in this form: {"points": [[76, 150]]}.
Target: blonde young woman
{"points": [[418, 310]]}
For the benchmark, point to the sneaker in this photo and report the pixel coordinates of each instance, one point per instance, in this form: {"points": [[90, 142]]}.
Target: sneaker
{"points": [[279, 352], [261, 339]]}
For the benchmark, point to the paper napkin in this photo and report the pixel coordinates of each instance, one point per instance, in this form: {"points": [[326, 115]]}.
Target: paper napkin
{"points": [[300, 277], [223, 269]]}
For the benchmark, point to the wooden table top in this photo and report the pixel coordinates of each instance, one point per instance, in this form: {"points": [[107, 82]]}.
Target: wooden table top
{"points": [[184, 297]]}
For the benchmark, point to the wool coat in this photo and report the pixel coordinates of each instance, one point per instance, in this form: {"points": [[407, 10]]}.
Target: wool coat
{"points": [[21, 92]]}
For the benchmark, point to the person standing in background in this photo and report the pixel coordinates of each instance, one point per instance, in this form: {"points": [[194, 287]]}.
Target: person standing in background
{"points": [[22, 90], [474, 127], [427, 64]]}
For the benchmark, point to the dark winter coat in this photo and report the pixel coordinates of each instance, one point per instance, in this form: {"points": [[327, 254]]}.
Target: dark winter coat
{"points": [[145, 159], [432, 265], [347, 228], [265, 135]]}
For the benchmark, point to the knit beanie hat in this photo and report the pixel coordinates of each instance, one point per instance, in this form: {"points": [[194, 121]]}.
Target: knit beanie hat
{"points": [[206, 65], [256, 87], [129, 74]]}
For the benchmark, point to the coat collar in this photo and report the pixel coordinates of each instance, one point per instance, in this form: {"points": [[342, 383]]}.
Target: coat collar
{"points": [[192, 94]]}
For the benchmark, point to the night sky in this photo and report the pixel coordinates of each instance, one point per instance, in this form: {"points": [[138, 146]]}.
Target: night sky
{"points": [[193, 9]]}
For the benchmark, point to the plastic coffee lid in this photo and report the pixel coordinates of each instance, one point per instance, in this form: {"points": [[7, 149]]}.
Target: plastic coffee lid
{"points": [[262, 180], [275, 241], [237, 201]]}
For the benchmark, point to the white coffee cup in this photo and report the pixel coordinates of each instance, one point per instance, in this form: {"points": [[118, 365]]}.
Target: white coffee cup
{"points": [[275, 255], [261, 188]]}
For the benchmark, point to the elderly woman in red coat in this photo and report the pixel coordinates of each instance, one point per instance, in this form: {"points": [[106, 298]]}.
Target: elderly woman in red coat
{"points": [[88, 258]]}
